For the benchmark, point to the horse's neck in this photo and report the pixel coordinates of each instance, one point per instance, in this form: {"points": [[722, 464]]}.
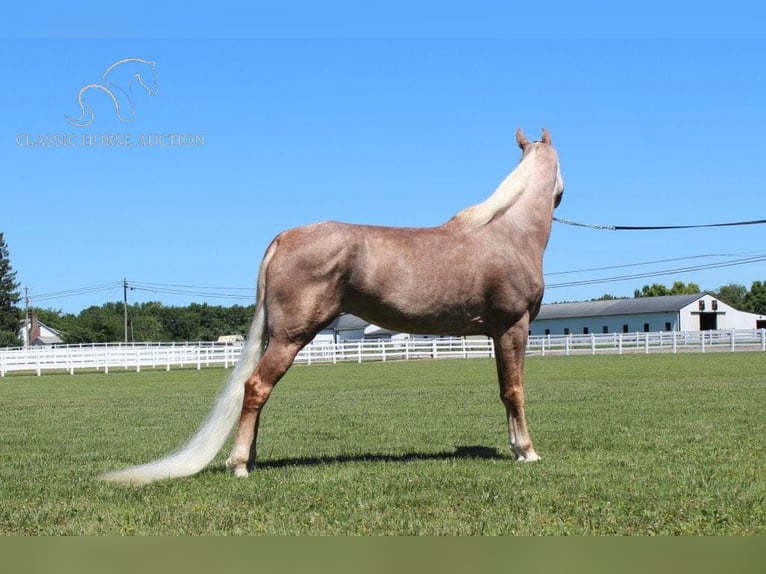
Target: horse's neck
{"points": [[529, 220], [520, 211]]}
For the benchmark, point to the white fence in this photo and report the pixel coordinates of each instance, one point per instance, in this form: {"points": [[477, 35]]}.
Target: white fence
{"points": [[138, 356]]}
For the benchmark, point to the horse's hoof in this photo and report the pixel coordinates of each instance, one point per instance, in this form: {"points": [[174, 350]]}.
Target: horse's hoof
{"points": [[527, 457]]}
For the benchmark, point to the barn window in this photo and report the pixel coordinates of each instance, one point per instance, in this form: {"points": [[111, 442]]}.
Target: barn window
{"points": [[624, 328], [646, 327], [701, 305], [547, 331], [668, 326], [715, 305], [585, 330], [605, 329], [566, 330]]}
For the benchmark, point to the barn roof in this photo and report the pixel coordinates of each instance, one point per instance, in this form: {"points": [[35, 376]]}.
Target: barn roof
{"points": [[348, 322], [638, 306]]}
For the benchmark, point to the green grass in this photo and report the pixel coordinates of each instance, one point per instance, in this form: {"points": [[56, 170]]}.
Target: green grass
{"points": [[658, 444]]}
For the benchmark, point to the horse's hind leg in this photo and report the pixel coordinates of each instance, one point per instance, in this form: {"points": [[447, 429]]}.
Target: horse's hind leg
{"points": [[275, 361], [510, 349]]}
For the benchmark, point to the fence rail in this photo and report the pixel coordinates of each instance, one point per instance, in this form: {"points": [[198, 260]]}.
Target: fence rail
{"points": [[107, 357]]}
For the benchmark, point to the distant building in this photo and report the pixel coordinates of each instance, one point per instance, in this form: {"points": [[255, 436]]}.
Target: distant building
{"points": [[348, 327], [697, 312], [230, 339], [35, 333]]}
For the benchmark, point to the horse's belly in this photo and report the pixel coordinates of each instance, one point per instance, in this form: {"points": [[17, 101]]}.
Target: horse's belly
{"points": [[420, 314]]}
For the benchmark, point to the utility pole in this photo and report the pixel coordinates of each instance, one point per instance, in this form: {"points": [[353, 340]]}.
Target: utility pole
{"points": [[27, 325], [125, 306]]}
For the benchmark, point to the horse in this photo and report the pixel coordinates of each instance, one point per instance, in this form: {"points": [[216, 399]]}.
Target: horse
{"points": [[117, 83], [479, 273]]}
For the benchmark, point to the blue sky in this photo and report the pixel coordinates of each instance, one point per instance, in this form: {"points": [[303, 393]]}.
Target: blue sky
{"points": [[387, 115]]}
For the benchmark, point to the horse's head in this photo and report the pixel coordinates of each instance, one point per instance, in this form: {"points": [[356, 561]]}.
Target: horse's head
{"points": [[147, 78], [527, 146]]}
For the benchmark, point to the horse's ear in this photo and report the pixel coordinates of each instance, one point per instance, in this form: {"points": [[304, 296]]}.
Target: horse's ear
{"points": [[546, 137], [521, 139]]}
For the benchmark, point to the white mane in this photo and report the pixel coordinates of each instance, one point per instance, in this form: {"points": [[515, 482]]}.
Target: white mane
{"points": [[502, 199]]}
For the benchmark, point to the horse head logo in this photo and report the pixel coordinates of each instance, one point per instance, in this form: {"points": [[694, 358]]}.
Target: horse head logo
{"points": [[117, 82]]}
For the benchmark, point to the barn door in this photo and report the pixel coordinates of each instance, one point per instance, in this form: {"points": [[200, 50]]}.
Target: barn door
{"points": [[708, 321]]}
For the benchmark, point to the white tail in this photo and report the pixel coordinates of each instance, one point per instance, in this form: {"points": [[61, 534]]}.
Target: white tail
{"points": [[213, 433]]}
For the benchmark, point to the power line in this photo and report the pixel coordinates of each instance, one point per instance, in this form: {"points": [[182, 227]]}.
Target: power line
{"points": [[743, 261], [77, 291], [639, 264], [150, 285], [169, 288], [196, 293]]}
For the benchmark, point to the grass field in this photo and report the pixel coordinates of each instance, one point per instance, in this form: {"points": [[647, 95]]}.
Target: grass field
{"points": [[658, 444]]}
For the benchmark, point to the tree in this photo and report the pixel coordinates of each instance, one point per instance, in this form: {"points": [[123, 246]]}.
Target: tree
{"points": [[653, 290], [98, 325], [659, 290], [10, 314], [733, 294], [681, 288], [755, 300], [608, 297]]}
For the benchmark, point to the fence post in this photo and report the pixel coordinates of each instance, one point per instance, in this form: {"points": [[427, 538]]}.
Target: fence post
{"points": [[732, 340], [675, 347], [763, 339], [566, 345], [646, 343], [592, 344], [702, 340]]}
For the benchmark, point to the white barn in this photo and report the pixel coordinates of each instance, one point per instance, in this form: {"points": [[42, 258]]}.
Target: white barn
{"points": [[697, 312]]}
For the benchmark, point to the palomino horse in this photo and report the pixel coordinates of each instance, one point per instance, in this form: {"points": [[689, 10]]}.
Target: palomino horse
{"points": [[480, 273]]}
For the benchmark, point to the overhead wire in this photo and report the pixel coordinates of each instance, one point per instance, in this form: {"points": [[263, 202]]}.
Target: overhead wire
{"points": [[742, 261]]}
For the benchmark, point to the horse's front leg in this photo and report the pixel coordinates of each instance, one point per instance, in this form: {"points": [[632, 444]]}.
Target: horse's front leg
{"points": [[510, 349]]}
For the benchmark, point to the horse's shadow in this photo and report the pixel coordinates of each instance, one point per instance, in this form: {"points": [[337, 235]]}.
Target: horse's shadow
{"points": [[460, 452]]}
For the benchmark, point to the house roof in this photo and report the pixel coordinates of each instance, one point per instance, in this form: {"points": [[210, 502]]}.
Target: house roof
{"points": [[638, 306]]}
